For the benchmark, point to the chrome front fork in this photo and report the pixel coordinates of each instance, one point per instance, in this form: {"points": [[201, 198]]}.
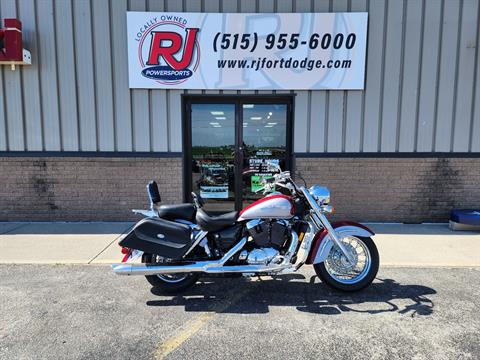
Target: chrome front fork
{"points": [[321, 220]]}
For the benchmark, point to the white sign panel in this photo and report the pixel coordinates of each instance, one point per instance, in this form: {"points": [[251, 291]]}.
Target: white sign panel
{"points": [[246, 51]]}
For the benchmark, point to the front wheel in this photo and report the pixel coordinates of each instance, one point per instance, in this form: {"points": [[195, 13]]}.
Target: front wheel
{"points": [[337, 272], [169, 283]]}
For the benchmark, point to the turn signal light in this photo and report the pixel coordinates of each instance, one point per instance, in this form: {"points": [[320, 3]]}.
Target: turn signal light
{"points": [[125, 251], [328, 209], [300, 236]]}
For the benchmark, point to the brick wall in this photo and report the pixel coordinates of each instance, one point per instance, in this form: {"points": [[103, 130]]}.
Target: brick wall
{"points": [[76, 188], [396, 189], [363, 189]]}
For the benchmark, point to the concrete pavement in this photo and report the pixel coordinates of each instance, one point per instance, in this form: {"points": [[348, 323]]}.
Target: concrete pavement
{"points": [[60, 242], [96, 243], [86, 312], [422, 305]]}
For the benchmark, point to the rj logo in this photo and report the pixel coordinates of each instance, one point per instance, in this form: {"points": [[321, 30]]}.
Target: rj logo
{"points": [[166, 44]]}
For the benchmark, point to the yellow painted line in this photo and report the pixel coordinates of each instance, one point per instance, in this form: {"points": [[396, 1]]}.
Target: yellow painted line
{"points": [[192, 327]]}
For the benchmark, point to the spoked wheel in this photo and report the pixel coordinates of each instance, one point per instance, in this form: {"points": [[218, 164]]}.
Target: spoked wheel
{"points": [[168, 283], [337, 272]]}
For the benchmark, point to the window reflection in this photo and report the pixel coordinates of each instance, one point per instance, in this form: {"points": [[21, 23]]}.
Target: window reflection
{"points": [[213, 151], [264, 142]]}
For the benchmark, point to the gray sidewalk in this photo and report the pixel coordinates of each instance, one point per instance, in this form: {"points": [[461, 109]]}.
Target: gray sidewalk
{"points": [[96, 243]]}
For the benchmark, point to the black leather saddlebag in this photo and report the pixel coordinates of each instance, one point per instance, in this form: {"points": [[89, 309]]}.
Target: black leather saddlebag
{"points": [[161, 237]]}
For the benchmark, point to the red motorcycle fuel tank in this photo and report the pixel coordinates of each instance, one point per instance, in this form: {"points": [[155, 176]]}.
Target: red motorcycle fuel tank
{"points": [[275, 206]]}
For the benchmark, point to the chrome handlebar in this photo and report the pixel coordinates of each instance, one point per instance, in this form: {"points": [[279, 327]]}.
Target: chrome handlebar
{"points": [[281, 179]]}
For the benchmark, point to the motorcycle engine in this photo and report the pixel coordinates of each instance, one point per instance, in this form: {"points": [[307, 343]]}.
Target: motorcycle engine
{"points": [[260, 256], [269, 237]]}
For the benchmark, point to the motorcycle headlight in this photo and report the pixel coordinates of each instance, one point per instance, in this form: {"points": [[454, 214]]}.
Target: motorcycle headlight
{"points": [[320, 194]]}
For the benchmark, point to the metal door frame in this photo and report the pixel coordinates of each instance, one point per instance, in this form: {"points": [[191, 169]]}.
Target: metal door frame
{"points": [[238, 100]]}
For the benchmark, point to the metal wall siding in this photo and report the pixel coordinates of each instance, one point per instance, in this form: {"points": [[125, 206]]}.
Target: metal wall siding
{"points": [[475, 134], [411, 74], [374, 70], [392, 80], [318, 120], [85, 73], [462, 128], [355, 102], [428, 77], [446, 92], [175, 120], [30, 84], [284, 6], [122, 105], [248, 6], [300, 123], [44, 61], [103, 75], [3, 114], [65, 58], [422, 80], [336, 103]]}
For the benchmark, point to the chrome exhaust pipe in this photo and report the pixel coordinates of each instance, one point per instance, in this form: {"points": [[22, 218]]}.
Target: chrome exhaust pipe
{"points": [[142, 269], [201, 266], [208, 267]]}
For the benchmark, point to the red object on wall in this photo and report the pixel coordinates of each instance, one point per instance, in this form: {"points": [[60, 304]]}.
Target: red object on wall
{"points": [[11, 40]]}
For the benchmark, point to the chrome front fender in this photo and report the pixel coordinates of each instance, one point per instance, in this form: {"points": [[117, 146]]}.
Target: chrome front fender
{"points": [[323, 244]]}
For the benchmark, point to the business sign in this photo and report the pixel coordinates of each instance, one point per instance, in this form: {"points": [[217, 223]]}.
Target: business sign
{"points": [[246, 51]]}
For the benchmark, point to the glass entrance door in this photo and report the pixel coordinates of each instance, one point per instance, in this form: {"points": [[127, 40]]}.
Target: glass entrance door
{"points": [[213, 155], [264, 141], [229, 142]]}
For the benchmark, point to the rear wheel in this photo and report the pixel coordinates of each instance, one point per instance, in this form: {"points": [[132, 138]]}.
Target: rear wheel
{"points": [[169, 283], [337, 272]]}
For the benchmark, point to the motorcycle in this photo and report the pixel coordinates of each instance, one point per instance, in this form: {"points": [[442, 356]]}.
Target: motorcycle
{"points": [[275, 235]]}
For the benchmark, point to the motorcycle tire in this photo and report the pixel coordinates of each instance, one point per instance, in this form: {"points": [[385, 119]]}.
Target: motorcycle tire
{"points": [[327, 279], [169, 286]]}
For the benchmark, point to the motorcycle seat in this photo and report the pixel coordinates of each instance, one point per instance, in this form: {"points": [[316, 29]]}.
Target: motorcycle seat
{"points": [[177, 211], [215, 223]]}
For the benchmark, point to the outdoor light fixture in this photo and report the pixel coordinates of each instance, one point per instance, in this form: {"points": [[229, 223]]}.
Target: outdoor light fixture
{"points": [[11, 50]]}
